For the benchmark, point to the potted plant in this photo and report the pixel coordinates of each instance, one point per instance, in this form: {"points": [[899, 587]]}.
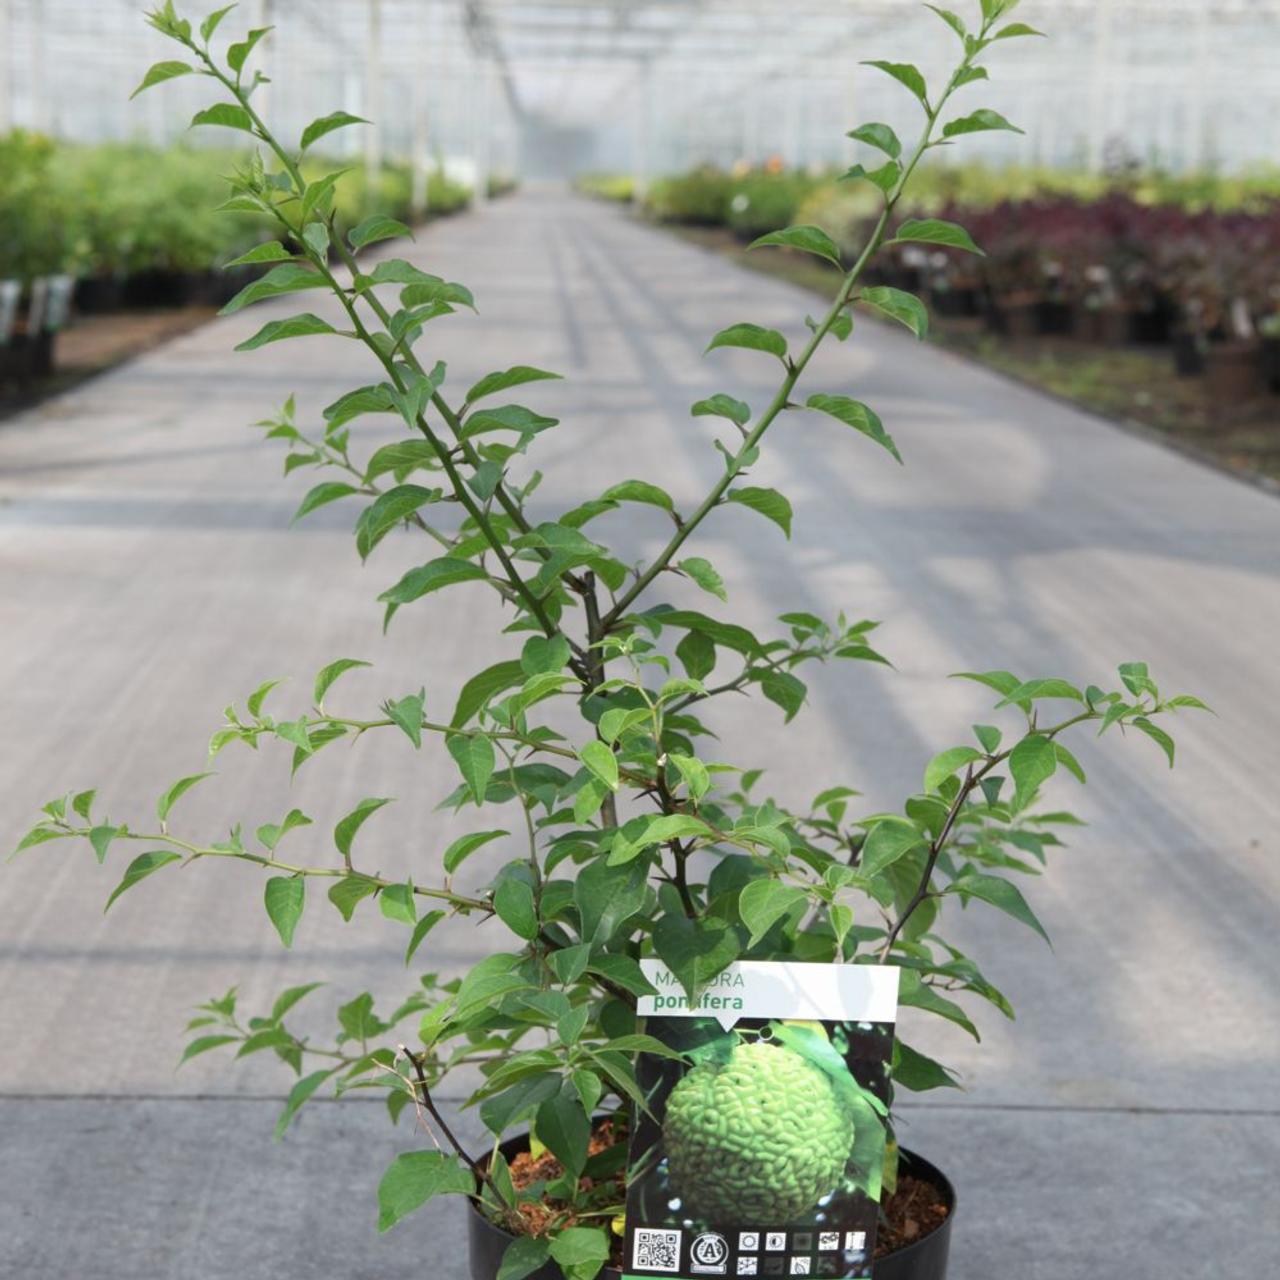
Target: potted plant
{"points": [[634, 834]]}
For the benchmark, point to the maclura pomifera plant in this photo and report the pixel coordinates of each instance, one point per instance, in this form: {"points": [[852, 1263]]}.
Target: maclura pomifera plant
{"points": [[637, 836]]}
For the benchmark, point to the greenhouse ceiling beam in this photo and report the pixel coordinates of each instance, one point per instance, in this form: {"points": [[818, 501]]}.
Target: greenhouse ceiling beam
{"points": [[485, 40]]}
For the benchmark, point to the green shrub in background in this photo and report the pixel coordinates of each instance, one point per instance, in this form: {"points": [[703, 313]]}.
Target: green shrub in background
{"points": [[764, 200], [32, 217], [698, 198], [122, 208], [620, 187]]}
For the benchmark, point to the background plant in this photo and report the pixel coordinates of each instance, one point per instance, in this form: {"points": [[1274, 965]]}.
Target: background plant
{"points": [[630, 836]]}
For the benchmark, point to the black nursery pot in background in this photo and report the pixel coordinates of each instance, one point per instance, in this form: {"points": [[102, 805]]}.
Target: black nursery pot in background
{"points": [[925, 1259]]}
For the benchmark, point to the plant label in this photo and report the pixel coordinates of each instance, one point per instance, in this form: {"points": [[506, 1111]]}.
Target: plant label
{"points": [[760, 1148]]}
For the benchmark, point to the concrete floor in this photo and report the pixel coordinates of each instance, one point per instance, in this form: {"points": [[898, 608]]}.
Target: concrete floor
{"points": [[1125, 1125]]}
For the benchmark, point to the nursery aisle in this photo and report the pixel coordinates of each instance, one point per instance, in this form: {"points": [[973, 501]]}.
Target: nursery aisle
{"points": [[149, 575]]}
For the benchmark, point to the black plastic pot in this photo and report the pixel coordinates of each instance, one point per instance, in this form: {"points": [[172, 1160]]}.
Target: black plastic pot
{"points": [[99, 295], [926, 1259]]}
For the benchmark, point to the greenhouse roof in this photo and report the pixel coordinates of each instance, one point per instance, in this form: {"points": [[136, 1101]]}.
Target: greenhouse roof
{"points": [[1183, 80]]}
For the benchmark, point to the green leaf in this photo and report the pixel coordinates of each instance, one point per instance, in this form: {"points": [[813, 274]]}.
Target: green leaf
{"points": [[856, 415], [889, 840], [375, 228], [638, 491], [1003, 682], [703, 572], [544, 655], [564, 1128], [1015, 29], [1137, 679], [879, 136], [1031, 690], [398, 903], [345, 832], [420, 931], [287, 277], [176, 792], [752, 338], [945, 763], [42, 835], [784, 690], [299, 326], [210, 24], [322, 495], [327, 124], [935, 231], [1001, 894], [523, 1256], [285, 896], [601, 761], [951, 19], [722, 406], [915, 1071], [1032, 762], [202, 1044], [695, 950], [160, 72], [886, 177], [513, 902], [478, 691], [805, 238], [238, 53], [466, 845], [401, 457], [762, 903], [290, 997], [980, 121], [1157, 735], [474, 756], [327, 675], [269, 251], [693, 771], [226, 114], [99, 837], [608, 896], [447, 571], [516, 376], [580, 1251], [297, 1096], [407, 713], [348, 892], [907, 75], [139, 869], [903, 307], [768, 502], [416, 1177]]}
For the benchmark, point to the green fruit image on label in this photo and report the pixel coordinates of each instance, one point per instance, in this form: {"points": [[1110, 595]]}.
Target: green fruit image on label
{"points": [[759, 1138]]}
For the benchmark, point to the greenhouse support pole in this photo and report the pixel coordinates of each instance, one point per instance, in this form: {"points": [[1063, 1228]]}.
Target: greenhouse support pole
{"points": [[1199, 157], [373, 94], [38, 70], [642, 164], [263, 92], [418, 109], [1098, 85], [6, 73], [483, 129]]}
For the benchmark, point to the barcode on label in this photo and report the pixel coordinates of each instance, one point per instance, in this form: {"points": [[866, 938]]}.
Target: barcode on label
{"points": [[656, 1250]]}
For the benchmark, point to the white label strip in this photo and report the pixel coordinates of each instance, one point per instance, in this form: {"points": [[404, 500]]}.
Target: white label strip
{"points": [[779, 989]]}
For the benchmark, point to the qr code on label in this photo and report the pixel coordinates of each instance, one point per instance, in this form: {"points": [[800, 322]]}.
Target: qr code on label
{"points": [[656, 1250]]}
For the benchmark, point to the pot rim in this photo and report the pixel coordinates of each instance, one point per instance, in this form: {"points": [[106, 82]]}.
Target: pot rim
{"points": [[915, 1162]]}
